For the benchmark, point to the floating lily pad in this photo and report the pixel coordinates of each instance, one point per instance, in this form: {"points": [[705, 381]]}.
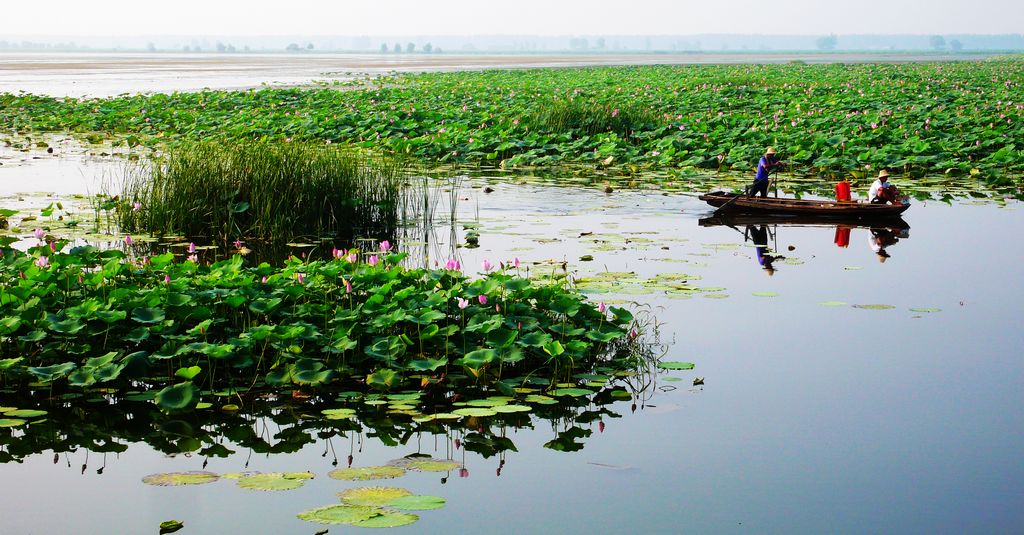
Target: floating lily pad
{"points": [[926, 310], [425, 464], [539, 399], [275, 481], [486, 402], [475, 411], [387, 519], [765, 294], [833, 303], [505, 409], [25, 413], [174, 479], [716, 296], [11, 422], [572, 392], [372, 496], [874, 307], [439, 416], [674, 365], [671, 379], [417, 502], [339, 514], [367, 473]]}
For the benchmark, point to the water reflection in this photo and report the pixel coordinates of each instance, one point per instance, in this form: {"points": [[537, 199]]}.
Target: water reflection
{"points": [[762, 233]]}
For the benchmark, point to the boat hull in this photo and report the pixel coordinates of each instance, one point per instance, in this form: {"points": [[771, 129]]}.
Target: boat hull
{"points": [[851, 210]]}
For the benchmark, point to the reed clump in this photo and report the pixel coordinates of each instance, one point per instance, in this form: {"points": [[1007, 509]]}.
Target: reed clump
{"points": [[584, 117], [266, 191]]}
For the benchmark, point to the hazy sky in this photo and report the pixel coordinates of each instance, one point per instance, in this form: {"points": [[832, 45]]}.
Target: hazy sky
{"points": [[485, 17]]}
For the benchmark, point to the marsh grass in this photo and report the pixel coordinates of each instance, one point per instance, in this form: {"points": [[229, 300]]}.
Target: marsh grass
{"points": [[263, 191], [590, 118]]}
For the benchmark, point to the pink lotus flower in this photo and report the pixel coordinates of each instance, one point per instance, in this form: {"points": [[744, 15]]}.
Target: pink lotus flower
{"points": [[167, 279], [238, 243], [336, 253], [39, 233], [348, 286], [633, 333], [615, 112], [385, 246], [192, 258], [301, 278], [136, 206], [191, 247], [43, 262], [601, 307], [264, 279], [463, 303], [53, 246], [487, 265], [600, 427], [483, 299], [463, 472], [515, 261], [450, 265], [373, 260], [352, 258], [127, 239]]}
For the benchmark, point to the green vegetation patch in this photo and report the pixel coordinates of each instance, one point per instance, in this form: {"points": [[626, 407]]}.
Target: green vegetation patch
{"points": [[367, 473], [372, 496], [174, 479]]}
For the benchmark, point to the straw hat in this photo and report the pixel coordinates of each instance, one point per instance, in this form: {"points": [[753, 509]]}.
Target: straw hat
{"points": [[883, 174], [770, 151]]}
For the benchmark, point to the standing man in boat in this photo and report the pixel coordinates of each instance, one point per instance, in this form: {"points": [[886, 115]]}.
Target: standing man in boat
{"points": [[882, 191], [768, 163]]}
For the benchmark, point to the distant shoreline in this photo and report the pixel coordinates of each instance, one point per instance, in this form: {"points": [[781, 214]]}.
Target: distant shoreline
{"points": [[94, 74]]}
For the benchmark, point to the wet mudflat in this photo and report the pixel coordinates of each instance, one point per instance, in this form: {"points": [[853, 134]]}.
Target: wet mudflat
{"points": [[841, 393]]}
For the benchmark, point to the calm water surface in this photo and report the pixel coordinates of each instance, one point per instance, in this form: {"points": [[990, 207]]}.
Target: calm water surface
{"points": [[813, 418]]}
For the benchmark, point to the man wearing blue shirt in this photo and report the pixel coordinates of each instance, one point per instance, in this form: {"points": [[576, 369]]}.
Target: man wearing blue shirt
{"points": [[765, 166]]}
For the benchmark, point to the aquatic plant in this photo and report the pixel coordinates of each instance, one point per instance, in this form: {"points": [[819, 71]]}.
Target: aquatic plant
{"points": [[262, 190], [953, 119], [92, 318]]}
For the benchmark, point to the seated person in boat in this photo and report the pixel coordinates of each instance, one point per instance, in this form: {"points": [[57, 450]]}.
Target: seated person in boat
{"points": [[768, 163], [882, 191]]}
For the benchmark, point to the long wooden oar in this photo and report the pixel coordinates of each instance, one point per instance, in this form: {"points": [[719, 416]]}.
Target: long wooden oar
{"points": [[732, 200]]}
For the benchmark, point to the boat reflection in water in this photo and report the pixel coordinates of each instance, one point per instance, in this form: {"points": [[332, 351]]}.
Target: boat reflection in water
{"points": [[761, 231]]}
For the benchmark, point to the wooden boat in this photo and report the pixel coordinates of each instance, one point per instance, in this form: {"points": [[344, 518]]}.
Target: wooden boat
{"points": [[850, 210]]}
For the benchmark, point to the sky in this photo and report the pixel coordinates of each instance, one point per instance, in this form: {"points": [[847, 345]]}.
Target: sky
{"points": [[515, 17]]}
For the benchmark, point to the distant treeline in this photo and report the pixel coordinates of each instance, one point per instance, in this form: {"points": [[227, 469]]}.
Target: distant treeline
{"points": [[527, 43]]}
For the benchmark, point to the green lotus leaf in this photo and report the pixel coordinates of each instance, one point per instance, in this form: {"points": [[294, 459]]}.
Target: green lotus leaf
{"points": [[874, 307], [238, 475], [148, 315], [11, 422], [425, 464], [6, 364], [34, 336], [174, 479], [188, 373], [338, 412], [372, 496], [275, 481], [383, 378], [833, 303], [422, 365], [367, 473], [52, 373], [926, 310], [340, 514], [387, 519], [439, 416], [417, 502], [675, 365], [170, 526], [571, 392], [540, 399], [179, 397], [475, 411], [506, 409], [26, 413], [486, 402]]}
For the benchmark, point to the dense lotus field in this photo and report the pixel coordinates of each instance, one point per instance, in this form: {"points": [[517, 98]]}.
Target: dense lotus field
{"points": [[923, 118]]}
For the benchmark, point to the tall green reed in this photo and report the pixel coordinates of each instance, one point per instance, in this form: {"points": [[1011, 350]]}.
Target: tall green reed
{"points": [[263, 191], [588, 117]]}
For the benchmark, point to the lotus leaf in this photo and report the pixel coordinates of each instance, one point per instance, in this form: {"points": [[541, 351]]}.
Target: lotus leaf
{"points": [[173, 479], [476, 412], [339, 514], [387, 519], [425, 464], [367, 473], [275, 481], [417, 502], [874, 307], [571, 392], [11, 422], [26, 413], [512, 408], [676, 365], [372, 496]]}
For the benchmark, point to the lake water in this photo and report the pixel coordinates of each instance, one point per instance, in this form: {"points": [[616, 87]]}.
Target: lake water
{"points": [[813, 418]]}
